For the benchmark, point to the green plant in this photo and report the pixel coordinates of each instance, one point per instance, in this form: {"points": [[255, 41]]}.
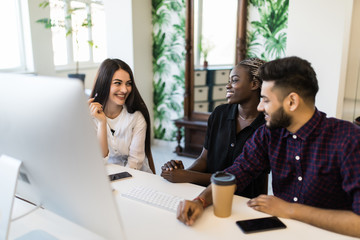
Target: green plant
{"points": [[71, 30], [205, 46], [168, 18], [270, 27], [253, 45]]}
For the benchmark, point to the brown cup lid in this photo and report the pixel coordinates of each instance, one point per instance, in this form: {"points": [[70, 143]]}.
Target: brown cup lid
{"points": [[223, 178]]}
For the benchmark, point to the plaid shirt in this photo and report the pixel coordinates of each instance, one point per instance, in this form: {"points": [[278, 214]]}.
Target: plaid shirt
{"points": [[319, 165]]}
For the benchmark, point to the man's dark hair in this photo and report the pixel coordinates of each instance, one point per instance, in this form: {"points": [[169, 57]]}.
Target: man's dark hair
{"points": [[292, 74]]}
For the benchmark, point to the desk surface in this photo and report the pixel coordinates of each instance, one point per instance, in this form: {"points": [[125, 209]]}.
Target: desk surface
{"points": [[142, 221]]}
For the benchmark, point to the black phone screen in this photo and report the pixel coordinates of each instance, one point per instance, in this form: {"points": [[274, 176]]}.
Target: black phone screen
{"points": [[260, 224], [120, 175]]}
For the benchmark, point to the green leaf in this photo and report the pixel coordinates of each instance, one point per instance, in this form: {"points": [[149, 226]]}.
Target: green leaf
{"points": [[180, 29], [159, 46], [159, 132], [175, 6], [159, 93], [91, 44], [257, 3], [161, 19], [69, 32], [156, 4], [176, 58], [44, 4], [275, 47], [46, 21], [72, 10], [179, 80]]}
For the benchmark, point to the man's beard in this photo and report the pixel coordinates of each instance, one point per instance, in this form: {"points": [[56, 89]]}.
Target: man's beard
{"points": [[279, 119]]}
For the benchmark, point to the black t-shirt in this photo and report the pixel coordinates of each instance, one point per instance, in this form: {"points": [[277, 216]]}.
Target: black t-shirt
{"points": [[224, 145]]}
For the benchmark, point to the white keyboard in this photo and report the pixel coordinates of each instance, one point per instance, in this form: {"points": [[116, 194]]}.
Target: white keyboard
{"points": [[153, 197]]}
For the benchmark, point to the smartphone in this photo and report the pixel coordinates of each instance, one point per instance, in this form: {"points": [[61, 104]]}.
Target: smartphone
{"points": [[260, 224], [120, 175]]}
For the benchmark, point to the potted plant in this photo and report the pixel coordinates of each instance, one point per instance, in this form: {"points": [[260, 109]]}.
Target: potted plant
{"points": [[70, 31], [205, 46]]}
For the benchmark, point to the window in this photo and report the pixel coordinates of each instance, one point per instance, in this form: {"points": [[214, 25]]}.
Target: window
{"points": [[12, 57], [215, 32], [78, 31]]}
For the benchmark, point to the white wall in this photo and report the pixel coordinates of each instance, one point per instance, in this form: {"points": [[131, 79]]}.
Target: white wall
{"points": [[319, 31], [41, 40], [142, 39], [129, 38], [119, 30]]}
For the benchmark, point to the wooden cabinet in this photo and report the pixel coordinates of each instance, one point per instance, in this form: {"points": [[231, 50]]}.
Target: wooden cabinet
{"points": [[210, 88], [194, 133]]}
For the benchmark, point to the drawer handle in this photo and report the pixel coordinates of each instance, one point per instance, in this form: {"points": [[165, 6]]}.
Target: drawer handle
{"points": [[223, 73], [220, 89], [200, 90], [198, 74]]}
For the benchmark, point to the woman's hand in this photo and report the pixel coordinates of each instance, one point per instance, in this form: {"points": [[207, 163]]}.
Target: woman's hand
{"points": [[96, 110], [176, 176], [173, 164], [173, 171]]}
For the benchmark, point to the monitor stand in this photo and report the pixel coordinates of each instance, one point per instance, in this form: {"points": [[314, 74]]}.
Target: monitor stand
{"points": [[9, 171], [36, 235]]}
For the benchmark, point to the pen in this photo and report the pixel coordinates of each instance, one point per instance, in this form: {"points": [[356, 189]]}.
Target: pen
{"points": [[96, 94]]}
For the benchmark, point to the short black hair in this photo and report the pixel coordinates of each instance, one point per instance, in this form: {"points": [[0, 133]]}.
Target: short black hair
{"points": [[292, 74]]}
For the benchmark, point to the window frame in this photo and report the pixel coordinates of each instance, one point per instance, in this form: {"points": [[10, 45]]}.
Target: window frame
{"points": [[23, 29], [71, 62]]}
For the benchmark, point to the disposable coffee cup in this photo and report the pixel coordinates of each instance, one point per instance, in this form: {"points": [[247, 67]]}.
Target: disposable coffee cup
{"points": [[223, 188]]}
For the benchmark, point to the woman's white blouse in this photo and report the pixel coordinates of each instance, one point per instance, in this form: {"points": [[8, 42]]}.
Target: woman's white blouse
{"points": [[127, 144]]}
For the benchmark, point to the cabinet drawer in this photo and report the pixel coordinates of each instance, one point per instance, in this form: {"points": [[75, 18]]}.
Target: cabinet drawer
{"points": [[201, 107], [221, 76], [200, 78], [219, 92], [217, 103], [201, 93]]}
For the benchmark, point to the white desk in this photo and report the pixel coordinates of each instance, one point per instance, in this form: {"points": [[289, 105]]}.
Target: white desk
{"points": [[142, 221]]}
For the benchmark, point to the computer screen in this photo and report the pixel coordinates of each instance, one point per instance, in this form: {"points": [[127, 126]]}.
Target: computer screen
{"points": [[46, 124]]}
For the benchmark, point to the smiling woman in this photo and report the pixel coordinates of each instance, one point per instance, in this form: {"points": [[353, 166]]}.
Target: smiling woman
{"points": [[228, 129], [121, 117], [120, 89]]}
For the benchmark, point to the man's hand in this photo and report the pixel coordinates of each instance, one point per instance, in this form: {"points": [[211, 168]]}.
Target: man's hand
{"points": [[189, 211], [171, 165], [271, 205], [175, 175], [340, 221]]}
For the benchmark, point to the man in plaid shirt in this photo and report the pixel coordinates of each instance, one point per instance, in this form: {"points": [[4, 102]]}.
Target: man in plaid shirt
{"points": [[315, 160]]}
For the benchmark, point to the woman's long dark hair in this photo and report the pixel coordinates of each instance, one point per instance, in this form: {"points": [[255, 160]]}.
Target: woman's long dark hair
{"points": [[134, 101]]}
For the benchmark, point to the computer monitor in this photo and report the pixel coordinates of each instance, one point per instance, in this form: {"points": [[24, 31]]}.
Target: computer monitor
{"points": [[45, 123]]}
